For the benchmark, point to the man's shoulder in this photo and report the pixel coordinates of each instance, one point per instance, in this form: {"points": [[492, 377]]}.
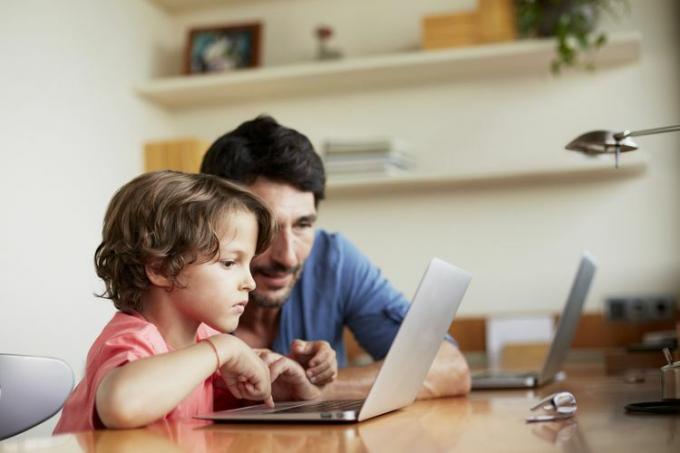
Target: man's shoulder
{"points": [[335, 264], [331, 248]]}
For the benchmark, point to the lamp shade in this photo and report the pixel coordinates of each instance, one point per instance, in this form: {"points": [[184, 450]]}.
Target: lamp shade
{"points": [[600, 142]]}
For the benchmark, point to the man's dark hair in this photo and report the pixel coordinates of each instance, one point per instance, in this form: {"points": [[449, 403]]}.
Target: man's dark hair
{"points": [[264, 148]]}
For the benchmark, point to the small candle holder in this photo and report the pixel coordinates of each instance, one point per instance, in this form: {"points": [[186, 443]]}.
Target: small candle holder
{"points": [[323, 34]]}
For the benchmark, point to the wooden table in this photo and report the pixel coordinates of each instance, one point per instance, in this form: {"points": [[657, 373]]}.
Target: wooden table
{"points": [[485, 421]]}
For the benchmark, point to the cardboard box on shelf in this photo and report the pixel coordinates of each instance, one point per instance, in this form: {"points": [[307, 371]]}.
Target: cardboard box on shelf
{"points": [[492, 21], [450, 30], [497, 19]]}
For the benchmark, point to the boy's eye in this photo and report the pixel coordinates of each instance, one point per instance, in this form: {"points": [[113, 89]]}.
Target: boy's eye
{"points": [[228, 263]]}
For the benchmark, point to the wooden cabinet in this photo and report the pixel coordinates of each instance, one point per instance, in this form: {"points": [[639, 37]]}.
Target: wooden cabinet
{"points": [[180, 154]]}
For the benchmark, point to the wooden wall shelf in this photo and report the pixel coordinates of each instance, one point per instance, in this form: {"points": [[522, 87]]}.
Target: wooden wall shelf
{"points": [[375, 72], [602, 168]]}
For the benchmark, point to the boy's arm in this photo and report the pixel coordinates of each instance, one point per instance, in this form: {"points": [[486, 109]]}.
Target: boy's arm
{"points": [[449, 375], [143, 391]]}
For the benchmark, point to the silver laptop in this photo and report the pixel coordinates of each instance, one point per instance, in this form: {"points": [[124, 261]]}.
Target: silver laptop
{"points": [[560, 343], [403, 371]]}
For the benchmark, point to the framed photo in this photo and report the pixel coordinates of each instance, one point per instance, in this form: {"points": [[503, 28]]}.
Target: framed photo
{"points": [[223, 48]]}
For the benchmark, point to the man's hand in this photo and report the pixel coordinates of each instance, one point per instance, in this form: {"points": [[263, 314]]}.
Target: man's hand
{"points": [[318, 360], [289, 382]]}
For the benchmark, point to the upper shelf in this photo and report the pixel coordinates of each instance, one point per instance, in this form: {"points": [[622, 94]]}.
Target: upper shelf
{"points": [[415, 68]]}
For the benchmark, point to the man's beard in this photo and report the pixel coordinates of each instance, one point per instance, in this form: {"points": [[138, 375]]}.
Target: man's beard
{"points": [[264, 301]]}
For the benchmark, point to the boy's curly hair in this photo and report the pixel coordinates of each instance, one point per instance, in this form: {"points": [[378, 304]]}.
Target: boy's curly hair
{"points": [[170, 219]]}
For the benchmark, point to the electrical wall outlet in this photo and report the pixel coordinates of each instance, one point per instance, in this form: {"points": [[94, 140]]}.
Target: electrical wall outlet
{"points": [[636, 308]]}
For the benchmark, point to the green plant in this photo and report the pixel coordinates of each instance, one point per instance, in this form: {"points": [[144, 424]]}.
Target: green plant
{"points": [[572, 22]]}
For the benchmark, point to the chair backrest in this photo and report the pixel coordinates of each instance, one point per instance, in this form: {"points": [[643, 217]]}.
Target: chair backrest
{"points": [[32, 389]]}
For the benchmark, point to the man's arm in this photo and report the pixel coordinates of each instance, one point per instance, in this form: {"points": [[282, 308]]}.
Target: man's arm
{"points": [[449, 375]]}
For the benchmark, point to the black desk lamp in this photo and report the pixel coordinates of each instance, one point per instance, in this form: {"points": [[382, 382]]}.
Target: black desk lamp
{"points": [[608, 142]]}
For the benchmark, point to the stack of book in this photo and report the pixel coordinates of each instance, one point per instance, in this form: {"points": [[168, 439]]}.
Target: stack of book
{"points": [[378, 156]]}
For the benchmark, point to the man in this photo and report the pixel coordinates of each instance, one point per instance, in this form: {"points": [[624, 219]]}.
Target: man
{"points": [[310, 284]]}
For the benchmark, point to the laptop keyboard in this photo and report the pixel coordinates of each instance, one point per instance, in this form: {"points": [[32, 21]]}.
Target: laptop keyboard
{"points": [[489, 375], [324, 406]]}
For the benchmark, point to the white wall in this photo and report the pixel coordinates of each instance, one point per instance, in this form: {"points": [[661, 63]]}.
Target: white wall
{"points": [[521, 241], [72, 130]]}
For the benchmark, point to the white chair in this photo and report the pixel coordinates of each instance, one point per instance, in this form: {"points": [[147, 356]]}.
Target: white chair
{"points": [[32, 389]]}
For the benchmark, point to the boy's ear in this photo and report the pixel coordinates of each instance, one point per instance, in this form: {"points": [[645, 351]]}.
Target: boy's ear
{"points": [[155, 276]]}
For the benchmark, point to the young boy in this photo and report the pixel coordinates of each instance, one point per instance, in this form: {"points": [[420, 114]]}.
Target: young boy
{"points": [[175, 258]]}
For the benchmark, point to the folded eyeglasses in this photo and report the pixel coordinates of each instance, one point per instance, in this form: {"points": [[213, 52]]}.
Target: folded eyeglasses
{"points": [[558, 406]]}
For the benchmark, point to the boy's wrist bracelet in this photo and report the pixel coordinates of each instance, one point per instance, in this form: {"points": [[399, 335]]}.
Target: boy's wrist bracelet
{"points": [[214, 348]]}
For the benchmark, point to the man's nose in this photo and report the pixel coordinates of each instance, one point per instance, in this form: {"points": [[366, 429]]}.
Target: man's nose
{"points": [[282, 249]]}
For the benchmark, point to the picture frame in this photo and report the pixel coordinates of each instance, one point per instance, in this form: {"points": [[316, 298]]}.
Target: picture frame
{"points": [[222, 48]]}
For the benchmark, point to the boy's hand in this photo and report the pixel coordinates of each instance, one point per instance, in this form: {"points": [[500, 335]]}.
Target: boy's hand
{"points": [[289, 382], [245, 374], [318, 360]]}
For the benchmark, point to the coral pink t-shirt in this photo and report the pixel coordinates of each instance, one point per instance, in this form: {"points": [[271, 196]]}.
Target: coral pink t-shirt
{"points": [[126, 338]]}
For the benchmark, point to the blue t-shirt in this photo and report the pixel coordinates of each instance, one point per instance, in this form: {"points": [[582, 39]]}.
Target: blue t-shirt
{"points": [[339, 286]]}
